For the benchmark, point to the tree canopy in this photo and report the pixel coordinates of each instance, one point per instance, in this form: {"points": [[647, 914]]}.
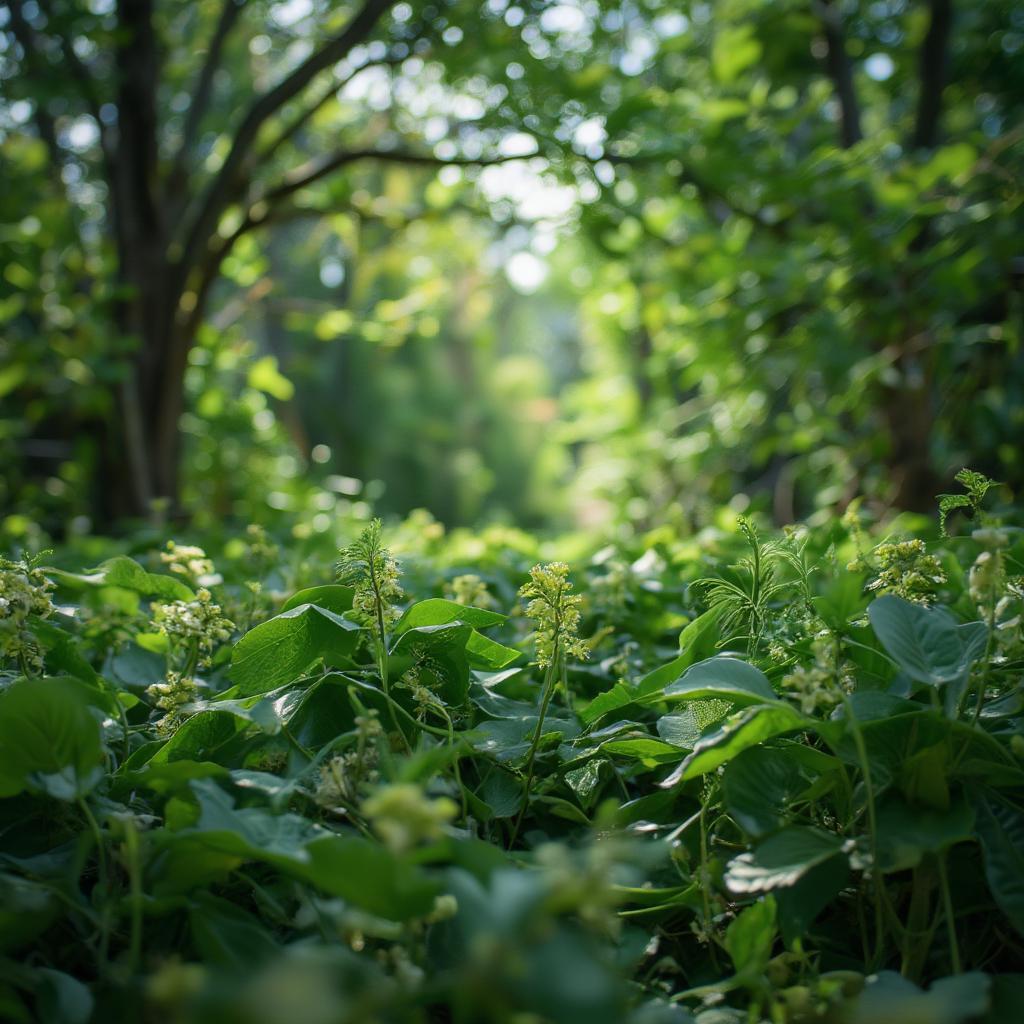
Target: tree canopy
{"points": [[526, 257]]}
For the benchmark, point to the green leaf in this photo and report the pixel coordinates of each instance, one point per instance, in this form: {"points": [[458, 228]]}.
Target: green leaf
{"points": [[201, 738], [438, 612], [369, 876], [696, 641], [782, 859], [723, 677], [485, 653], [890, 997], [744, 729], [334, 597], [26, 910], [249, 832], [1000, 828], [906, 833], [122, 571], [227, 935], [928, 644], [760, 785], [439, 652], [750, 937], [682, 728], [283, 648], [49, 739]]}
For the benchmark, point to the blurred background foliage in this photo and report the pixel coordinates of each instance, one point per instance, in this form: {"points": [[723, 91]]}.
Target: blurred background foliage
{"points": [[552, 264]]}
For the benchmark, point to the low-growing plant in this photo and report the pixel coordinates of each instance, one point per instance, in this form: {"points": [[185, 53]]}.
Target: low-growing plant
{"points": [[781, 779]]}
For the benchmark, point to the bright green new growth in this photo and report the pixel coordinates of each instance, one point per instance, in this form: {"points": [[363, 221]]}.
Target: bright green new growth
{"points": [[908, 571], [977, 485], [367, 566]]}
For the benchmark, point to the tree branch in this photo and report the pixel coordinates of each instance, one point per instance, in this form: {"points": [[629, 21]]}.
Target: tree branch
{"points": [[840, 70], [314, 170], [229, 13], [932, 76], [221, 188], [303, 116]]}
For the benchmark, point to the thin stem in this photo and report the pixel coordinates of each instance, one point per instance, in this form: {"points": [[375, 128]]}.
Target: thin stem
{"points": [[705, 880], [869, 792], [947, 909], [131, 842], [983, 682], [102, 879], [550, 680]]}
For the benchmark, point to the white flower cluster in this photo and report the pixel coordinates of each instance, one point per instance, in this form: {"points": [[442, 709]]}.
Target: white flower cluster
{"points": [[189, 561], [199, 623], [171, 696], [24, 592]]}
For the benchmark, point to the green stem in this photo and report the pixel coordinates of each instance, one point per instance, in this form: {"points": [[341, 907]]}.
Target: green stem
{"points": [[947, 908], [131, 842], [101, 880], [983, 682], [705, 879], [869, 792], [550, 679]]}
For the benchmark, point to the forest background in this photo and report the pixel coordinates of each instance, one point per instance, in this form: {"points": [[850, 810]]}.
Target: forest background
{"points": [[557, 265]]}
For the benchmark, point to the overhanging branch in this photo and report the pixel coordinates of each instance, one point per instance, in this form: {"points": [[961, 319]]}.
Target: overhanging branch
{"points": [[221, 189]]}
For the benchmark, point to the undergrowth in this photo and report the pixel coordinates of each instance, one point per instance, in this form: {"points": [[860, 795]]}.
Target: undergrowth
{"points": [[741, 777]]}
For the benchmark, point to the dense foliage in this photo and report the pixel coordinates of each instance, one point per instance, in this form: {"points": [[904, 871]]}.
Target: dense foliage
{"points": [[738, 777], [546, 261]]}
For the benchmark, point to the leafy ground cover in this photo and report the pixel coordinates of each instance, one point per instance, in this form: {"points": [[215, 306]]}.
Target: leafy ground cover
{"points": [[733, 778]]}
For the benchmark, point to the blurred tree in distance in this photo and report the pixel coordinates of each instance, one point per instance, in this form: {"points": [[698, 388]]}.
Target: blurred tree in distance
{"points": [[754, 247]]}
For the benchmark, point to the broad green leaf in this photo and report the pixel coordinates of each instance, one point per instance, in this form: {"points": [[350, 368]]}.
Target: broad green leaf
{"points": [[439, 655], [750, 937], [122, 571], [928, 644], [680, 728], [334, 597], [488, 654], [801, 903], [369, 876], [724, 678], [283, 648], [1000, 827], [888, 997], [26, 909], [251, 833], [696, 642], [200, 738], [744, 729], [227, 935], [49, 739], [906, 833], [759, 786], [782, 859], [437, 612]]}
